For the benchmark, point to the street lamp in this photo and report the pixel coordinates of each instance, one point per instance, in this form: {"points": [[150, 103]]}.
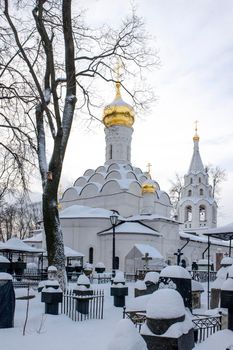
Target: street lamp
{"points": [[113, 220]]}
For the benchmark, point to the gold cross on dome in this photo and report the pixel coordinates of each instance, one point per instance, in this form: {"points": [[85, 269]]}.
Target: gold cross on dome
{"points": [[119, 65], [196, 121], [149, 165]]}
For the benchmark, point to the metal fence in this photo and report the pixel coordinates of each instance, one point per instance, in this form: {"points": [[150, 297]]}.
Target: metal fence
{"points": [[95, 305], [204, 326], [202, 276]]}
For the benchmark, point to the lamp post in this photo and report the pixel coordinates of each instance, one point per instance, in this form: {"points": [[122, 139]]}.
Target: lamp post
{"points": [[113, 220]]}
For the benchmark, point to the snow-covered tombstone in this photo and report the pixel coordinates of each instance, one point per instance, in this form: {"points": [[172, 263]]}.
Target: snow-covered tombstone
{"points": [[84, 293], [227, 297], [99, 267], [221, 277], [119, 290], [126, 337], [7, 301], [51, 292], [87, 269], [168, 325], [197, 289], [140, 288], [177, 277], [51, 281]]}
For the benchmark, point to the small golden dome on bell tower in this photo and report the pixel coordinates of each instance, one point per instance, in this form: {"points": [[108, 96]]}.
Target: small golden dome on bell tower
{"points": [[196, 136]]}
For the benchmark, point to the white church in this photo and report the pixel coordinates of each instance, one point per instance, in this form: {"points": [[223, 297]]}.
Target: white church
{"points": [[144, 222]]}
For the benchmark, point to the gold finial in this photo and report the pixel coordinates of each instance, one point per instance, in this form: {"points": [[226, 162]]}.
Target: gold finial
{"points": [[149, 165], [196, 137], [118, 77]]}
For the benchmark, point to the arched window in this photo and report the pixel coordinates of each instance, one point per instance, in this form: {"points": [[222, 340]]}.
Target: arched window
{"points": [[201, 192], [91, 255], [188, 213], [191, 180], [117, 262], [189, 193], [199, 180], [110, 152], [202, 213]]}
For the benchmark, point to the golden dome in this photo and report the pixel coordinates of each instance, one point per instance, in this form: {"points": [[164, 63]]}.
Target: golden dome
{"points": [[118, 112], [196, 136], [148, 187]]}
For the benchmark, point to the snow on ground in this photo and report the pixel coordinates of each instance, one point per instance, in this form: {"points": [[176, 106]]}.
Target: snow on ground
{"points": [[59, 332]]}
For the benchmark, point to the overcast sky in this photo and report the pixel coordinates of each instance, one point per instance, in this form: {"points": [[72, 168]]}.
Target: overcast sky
{"points": [[194, 82]]}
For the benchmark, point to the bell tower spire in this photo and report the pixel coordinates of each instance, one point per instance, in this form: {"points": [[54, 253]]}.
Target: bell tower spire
{"points": [[197, 208]]}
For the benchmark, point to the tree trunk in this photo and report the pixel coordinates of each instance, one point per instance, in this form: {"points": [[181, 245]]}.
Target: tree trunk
{"points": [[54, 238]]}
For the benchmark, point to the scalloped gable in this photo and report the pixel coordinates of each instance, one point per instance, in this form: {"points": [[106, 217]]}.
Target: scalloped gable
{"points": [[71, 193], [90, 189]]}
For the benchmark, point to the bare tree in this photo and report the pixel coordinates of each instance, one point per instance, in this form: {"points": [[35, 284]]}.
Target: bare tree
{"points": [[49, 58], [175, 190], [216, 177]]}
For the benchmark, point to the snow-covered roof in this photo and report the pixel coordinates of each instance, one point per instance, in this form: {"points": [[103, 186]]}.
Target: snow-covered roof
{"points": [[71, 253], [132, 227], [223, 232], [201, 238], [17, 245], [36, 238], [146, 248], [82, 211], [148, 217]]}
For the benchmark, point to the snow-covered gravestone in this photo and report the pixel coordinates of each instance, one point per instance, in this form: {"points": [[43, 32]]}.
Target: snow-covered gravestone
{"points": [[119, 290], [197, 289], [51, 281], [227, 297], [221, 277], [51, 292], [84, 293], [168, 325], [7, 301], [126, 337], [151, 283], [178, 278], [99, 267], [140, 288]]}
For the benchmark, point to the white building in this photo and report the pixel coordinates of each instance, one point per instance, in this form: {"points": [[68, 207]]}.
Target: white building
{"points": [[144, 209]]}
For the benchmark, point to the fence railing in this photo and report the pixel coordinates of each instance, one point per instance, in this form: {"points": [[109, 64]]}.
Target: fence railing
{"points": [[95, 307], [202, 276], [204, 326]]}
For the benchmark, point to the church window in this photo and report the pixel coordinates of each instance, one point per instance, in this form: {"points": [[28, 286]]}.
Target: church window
{"points": [[189, 193], [201, 192], [91, 255], [199, 180], [191, 180], [202, 213], [117, 262], [188, 213], [110, 152]]}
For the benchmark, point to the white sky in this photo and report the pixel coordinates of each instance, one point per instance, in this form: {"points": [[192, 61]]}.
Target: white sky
{"points": [[195, 43]]}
